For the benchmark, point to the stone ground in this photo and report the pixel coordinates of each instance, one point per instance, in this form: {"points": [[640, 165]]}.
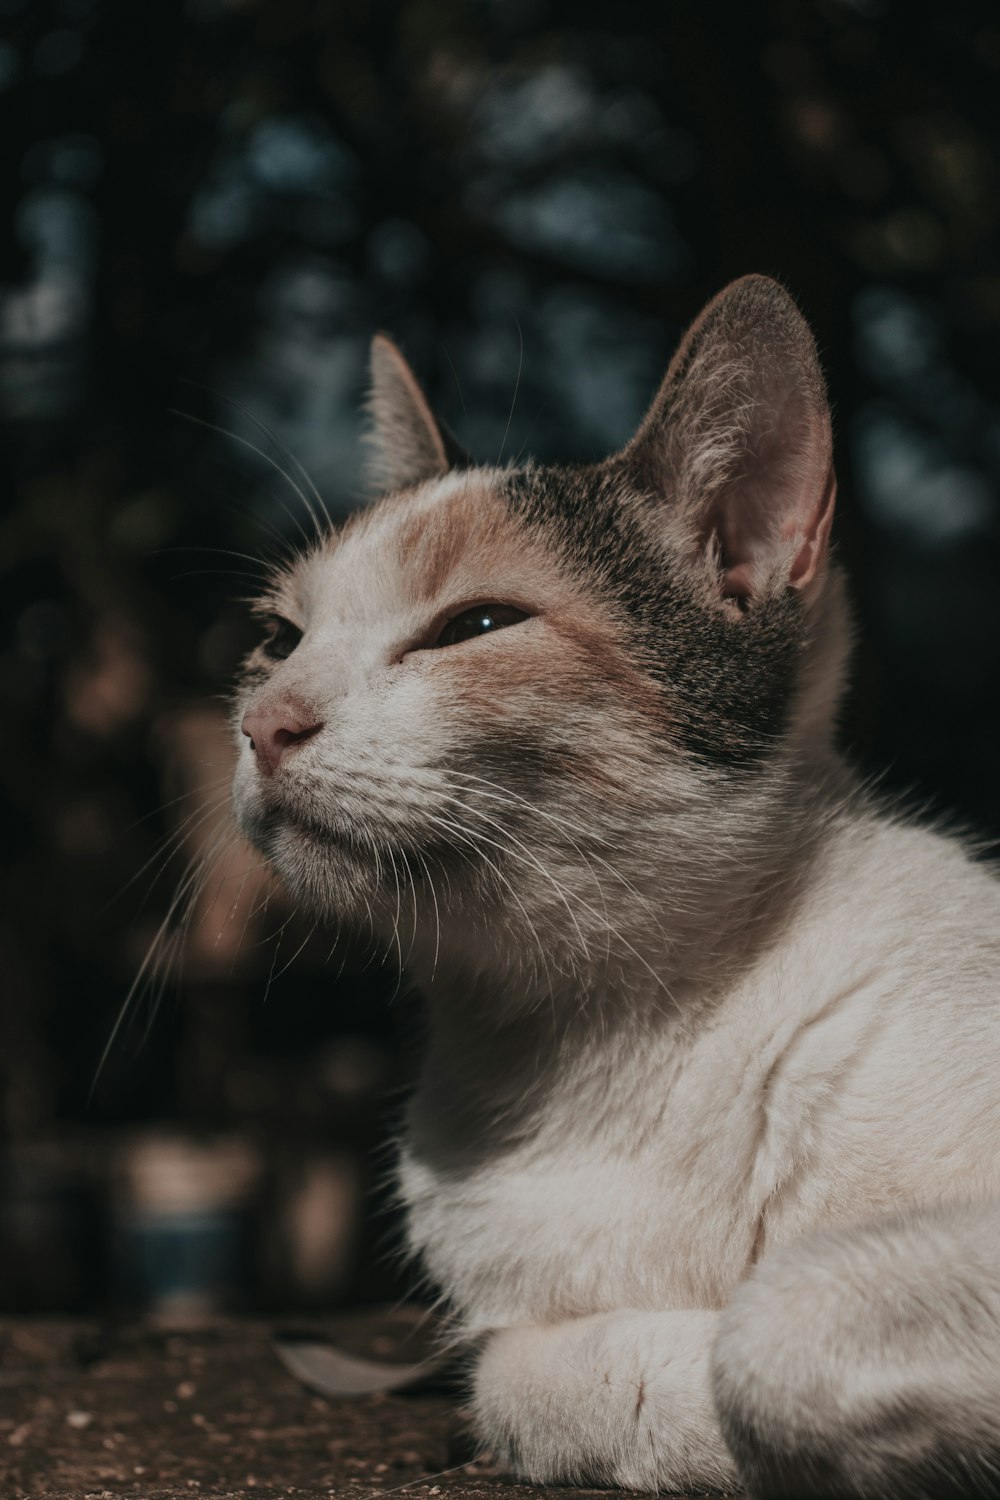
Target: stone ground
{"points": [[132, 1412]]}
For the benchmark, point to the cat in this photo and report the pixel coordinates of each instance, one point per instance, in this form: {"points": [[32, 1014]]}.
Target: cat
{"points": [[703, 1156]]}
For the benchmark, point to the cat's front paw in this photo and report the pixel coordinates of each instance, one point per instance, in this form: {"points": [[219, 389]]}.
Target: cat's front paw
{"points": [[521, 1411], [597, 1400]]}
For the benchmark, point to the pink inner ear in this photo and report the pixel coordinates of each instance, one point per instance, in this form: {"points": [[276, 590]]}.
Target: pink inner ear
{"points": [[739, 578], [811, 555], [737, 582], [782, 492]]}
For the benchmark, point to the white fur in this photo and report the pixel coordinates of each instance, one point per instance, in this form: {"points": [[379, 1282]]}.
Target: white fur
{"points": [[852, 1071]]}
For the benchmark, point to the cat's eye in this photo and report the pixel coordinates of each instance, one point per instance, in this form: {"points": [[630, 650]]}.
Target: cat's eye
{"points": [[282, 640], [481, 619]]}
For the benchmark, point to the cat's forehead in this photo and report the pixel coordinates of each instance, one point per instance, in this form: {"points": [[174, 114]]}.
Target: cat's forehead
{"points": [[450, 540]]}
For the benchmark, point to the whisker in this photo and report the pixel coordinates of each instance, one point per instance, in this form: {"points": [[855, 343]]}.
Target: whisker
{"points": [[265, 458], [533, 860], [517, 384], [458, 383], [287, 452], [195, 868], [437, 915], [395, 929], [527, 856], [288, 962], [275, 937], [285, 546], [424, 1479], [506, 794], [219, 552], [168, 846], [194, 791], [457, 830]]}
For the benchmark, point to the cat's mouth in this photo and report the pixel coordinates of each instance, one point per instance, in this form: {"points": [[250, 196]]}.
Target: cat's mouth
{"points": [[387, 857], [269, 825]]}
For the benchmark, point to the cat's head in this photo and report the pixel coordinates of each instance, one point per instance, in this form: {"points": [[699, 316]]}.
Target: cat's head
{"points": [[500, 701]]}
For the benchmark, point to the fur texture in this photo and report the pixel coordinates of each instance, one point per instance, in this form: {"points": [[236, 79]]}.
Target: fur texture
{"points": [[703, 1156]]}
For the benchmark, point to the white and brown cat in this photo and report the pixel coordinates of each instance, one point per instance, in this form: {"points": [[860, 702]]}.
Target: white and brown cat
{"points": [[704, 1156]]}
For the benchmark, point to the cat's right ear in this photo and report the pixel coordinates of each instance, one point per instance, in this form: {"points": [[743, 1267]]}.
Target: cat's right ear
{"points": [[406, 444]]}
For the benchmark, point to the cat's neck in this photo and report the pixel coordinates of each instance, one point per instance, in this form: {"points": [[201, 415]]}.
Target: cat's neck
{"points": [[502, 1037], [689, 900]]}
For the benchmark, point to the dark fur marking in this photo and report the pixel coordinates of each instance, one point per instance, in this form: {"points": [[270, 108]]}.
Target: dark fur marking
{"points": [[730, 680]]}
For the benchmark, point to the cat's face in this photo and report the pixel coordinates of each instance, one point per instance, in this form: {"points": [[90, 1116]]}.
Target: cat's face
{"points": [[481, 700], [468, 692]]}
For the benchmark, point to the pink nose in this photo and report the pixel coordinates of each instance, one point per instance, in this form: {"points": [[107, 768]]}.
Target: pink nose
{"points": [[275, 728]]}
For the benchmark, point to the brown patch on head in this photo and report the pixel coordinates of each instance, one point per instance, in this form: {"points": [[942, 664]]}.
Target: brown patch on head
{"points": [[460, 543], [559, 696], [603, 658], [433, 542]]}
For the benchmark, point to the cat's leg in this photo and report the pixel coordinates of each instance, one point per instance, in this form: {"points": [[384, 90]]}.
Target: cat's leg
{"points": [[622, 1398], [866, 1362]]}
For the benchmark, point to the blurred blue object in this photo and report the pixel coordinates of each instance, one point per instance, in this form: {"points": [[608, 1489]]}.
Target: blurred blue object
{"points": [[182, 1225]]}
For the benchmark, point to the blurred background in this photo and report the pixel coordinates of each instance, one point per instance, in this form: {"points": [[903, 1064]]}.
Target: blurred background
{"points": [[207, 208]]}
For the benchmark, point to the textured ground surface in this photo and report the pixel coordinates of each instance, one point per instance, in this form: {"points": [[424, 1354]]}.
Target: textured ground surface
{"points": [[91, 1413]]}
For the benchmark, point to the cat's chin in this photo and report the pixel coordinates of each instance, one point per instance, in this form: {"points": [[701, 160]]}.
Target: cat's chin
{"points": [[322, 867], [336, 872]]}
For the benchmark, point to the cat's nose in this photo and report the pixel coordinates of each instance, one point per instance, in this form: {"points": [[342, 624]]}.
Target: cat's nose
{"points": [[274, 729]]}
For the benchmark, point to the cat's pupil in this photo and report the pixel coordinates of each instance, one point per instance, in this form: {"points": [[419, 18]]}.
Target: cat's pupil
{"points": [[479, 620], [283, 639]]}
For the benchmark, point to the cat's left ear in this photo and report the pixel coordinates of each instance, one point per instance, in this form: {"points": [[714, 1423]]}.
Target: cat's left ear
{"points": [[407, 444], [738, 445]]}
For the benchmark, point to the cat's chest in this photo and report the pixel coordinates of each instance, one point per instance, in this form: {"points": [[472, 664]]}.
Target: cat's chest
{"points": [[528, 1243], [656, 1215]]}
